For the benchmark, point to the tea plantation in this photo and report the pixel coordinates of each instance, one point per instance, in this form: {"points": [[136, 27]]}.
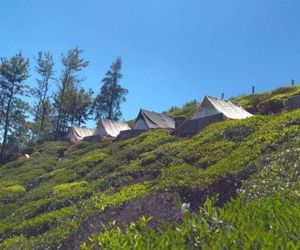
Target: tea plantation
{"points": [[235, 185]]}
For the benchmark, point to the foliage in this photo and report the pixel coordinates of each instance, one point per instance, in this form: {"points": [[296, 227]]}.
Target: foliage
{"points": [[72, 63], [112, 94], [71, 189], [102, 201], [13, 74], [279, 173], [265, 224], [42, 126], [255, 160], [10, 192]]}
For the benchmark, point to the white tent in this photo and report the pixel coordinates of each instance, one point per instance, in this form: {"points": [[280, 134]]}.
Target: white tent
{"points": [[212, 106], [152, 120], [78, 133], [110, 128]]}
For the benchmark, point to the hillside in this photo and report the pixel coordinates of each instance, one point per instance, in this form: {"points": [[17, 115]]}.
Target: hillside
{"points": [[187, 110], [242, 175], [268, 102], [261, 103]]}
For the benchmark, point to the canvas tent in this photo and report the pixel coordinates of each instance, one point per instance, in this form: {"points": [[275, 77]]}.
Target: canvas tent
{"points": [[212, 106], [110, 128], [211, 110], [78, 133], [147, 120]]}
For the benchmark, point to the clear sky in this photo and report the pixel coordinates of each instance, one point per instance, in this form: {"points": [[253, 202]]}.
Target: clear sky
{"points": [[172, 50]]}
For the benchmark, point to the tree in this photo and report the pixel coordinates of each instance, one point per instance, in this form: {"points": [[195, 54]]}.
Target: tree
{"points": [[77, 105], [108, 101], [72, 64], [83, 106], [13, 73], [45, 70]]}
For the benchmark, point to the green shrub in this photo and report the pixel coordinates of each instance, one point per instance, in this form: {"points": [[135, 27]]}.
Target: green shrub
{"points": [[265, 224], [52, 148], [70, 190], [41, 223], [83, 147], [279, 172], [104, 200], [13, 164], [179, 177], [13, 242], [92, 158], [12, 192]]}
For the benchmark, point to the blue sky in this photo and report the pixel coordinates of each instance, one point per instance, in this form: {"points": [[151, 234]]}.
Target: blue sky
{"points": [[173, 51]]}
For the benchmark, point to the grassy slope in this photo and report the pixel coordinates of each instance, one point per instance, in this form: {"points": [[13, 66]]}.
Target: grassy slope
{"points": [[261, 103], [268, 102], [186, 111], [43, 200]]}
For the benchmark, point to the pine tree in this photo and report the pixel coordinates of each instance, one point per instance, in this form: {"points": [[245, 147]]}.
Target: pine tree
{"points": [[83, 105], [13, 73], [72, 64], [45, 69], [108, 101]]}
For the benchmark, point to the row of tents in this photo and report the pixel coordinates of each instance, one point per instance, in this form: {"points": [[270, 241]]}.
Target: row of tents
{"points": [[210, 110], [106, 129]]}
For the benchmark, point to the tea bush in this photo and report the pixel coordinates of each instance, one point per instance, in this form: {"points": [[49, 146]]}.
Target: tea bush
{"points": [[102, 201], [260, 224], [70, 190], [9, 193]]}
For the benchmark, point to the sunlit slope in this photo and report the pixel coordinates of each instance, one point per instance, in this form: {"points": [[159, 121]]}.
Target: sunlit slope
{"points": [[274, 101], [268, 102], [48, 202]]}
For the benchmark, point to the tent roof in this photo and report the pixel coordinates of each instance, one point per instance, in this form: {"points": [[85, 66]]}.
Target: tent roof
{"points": [[156, 120], [211, 105], [109, 127], [78, 133]]}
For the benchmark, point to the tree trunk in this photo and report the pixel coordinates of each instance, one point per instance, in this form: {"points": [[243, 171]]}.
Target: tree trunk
{"points": [[110, 110], [79, 121], [43, 105], [65, 81], [36, 119], [43, 117], [6, 126], [59, 112]]}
